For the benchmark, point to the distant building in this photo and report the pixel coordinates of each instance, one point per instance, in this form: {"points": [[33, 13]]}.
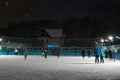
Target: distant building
{"points": [[45, 38], [48, 37]]}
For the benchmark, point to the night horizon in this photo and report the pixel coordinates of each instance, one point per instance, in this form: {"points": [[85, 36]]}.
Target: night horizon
{"points": [[20, 11]]}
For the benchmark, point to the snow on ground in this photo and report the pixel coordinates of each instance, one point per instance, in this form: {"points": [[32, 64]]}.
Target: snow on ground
{"points": [[53, 68]]}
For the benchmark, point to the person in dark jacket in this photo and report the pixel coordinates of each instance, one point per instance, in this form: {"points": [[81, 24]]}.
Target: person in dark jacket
{"points": [[110, 54], [58, 53], [45, 53], [114, 54], [89, 52], [83, 53], [106, 53], [97, 55], [25, 54]]}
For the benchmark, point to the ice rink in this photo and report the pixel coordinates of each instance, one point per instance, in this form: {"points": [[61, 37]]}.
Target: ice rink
{"points": [[54, 68]]}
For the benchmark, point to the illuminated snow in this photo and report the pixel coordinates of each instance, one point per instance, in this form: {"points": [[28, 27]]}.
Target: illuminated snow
{"points": [[53, 68]]}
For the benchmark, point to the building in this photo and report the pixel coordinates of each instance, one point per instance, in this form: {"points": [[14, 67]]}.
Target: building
{"points": [[45, 38]]}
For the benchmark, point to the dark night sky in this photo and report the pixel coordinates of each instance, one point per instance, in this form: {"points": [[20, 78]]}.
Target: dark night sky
{"points": [[20, 10]]}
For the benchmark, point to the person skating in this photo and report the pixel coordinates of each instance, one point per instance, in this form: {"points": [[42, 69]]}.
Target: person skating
{"points": [[25, 54], [83, 53], [58, 53], [106, 53], [110, 54], [101, 55], [114, 54], [97, 55], [89, 53], [45, 53]]}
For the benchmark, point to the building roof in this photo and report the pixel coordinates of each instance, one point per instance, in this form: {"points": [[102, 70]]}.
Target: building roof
{"points": [[43, 33], [51, 33]]}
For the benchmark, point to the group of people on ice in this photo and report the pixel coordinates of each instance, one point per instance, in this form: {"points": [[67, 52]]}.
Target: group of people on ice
{"points": [[100, 54], [45, 53]]}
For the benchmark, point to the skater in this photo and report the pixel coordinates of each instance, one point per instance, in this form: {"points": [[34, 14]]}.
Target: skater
{"points": [[58, 53], [106, 53], [45, 53], [97, 55], [83, 53], [101, 55], [114, 54], [110, 54], [89, 53], [25, 54], [16, 51]]}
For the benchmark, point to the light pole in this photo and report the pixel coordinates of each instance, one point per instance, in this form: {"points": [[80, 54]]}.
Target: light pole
{"points": [[102, 40], [111, 39]]}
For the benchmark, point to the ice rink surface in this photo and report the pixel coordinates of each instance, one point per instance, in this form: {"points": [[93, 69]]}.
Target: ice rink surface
{"points": [[54, 68]]}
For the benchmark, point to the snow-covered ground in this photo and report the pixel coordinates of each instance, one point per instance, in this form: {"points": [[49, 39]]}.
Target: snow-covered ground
{"points": [[53, 68]]}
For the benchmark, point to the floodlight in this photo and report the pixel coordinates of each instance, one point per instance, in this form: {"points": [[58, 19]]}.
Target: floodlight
{"points": [[0, 39], [102, 40], [110, 38]]}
